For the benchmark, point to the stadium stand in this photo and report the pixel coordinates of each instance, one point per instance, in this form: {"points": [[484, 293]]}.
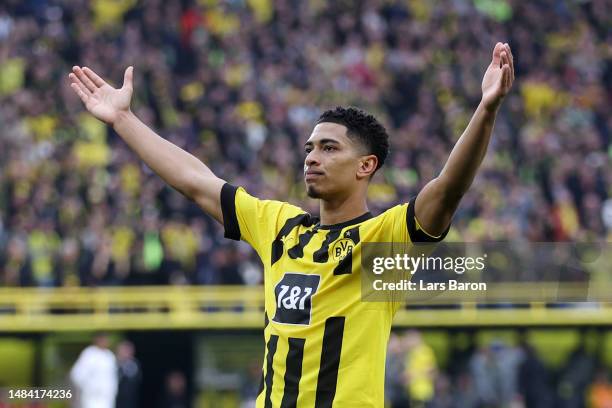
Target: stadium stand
{"points": [[239, 84]]}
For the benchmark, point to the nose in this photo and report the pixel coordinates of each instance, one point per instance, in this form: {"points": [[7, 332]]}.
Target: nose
{"points": [[312, 159]]}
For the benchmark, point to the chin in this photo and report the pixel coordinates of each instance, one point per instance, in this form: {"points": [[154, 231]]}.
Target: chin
{"points": [[313, 192]]}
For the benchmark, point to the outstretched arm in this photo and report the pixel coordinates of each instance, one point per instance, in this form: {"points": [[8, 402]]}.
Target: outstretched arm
{"points": [[437, 202], [181, 170]]}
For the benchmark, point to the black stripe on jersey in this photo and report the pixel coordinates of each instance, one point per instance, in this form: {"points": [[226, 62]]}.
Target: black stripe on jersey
{"points": [[330, 362], [293, 372], [321, 255], [228, 208], [418, 235], [345, 266], [261, 382], [298, 250], [356, 220], [278, 245], [270, 369]]}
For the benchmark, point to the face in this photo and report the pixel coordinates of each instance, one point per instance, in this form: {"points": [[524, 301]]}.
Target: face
{"points": [[334, 164], [102, 341], [125, 351]]}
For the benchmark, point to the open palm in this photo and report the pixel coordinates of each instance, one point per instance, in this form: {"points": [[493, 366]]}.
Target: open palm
{"points": [[102, 100], [499, 76]]}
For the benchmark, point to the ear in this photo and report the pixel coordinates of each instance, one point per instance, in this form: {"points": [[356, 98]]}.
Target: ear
{"points": [[367, 166]]}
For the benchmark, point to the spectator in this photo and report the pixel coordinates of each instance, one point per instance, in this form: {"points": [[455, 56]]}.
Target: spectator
{"points": [[443, 395], [130, 376], [534, 380], [395, 390], [600, 394], [420, 369], [175, 392], [94, 375], [495, 371], [576, 377], [250, 384], [466, 395]]}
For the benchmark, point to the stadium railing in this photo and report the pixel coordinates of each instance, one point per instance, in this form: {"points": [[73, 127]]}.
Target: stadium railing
{"points": [[242, 307]]}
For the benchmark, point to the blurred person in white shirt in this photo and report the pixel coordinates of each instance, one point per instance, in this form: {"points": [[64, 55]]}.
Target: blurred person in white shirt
{"points": [[94, 375]]}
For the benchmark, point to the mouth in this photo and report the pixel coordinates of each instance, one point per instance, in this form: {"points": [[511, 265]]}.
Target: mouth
{"points": [[313, 175]]}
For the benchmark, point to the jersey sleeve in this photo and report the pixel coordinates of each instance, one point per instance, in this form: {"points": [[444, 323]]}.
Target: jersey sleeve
{"points": [[416, 232], [400, 225], [253, 220]]}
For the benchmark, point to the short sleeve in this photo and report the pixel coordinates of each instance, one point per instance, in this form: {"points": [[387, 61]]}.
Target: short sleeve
{"points": [[399, 224], [253, 220], [418, 234]]}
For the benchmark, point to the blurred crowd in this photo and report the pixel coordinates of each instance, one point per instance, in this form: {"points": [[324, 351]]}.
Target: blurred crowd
{"points": [[495, 375], [106, 378], [239, 83], [103, 378], [429, 369]]}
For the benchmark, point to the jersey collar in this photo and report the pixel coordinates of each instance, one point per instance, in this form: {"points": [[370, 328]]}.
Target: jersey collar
{"points": [[341, 225]]}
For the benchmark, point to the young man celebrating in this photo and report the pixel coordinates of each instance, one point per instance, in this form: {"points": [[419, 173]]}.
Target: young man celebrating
{"points": [[324, 346]]}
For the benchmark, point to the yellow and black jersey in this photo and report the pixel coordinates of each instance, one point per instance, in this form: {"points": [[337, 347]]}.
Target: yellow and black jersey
{"points": [[324, 346]]}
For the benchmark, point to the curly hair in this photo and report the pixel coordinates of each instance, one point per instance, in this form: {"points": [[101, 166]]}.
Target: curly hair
{"points": [[363, 127]]}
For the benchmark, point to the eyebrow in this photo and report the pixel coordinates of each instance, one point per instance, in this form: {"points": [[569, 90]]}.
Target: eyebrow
{"points": [[322, 141]]}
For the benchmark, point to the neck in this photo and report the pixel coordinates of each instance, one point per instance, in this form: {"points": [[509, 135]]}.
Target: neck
{"points": [[342, 209]]}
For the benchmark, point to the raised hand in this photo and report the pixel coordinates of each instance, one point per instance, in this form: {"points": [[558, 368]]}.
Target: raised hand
{"points": [[499, 77], [102, 100]]}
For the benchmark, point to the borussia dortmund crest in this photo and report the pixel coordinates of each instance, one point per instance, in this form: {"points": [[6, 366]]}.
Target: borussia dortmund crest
{"points": [[342, 248]]}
